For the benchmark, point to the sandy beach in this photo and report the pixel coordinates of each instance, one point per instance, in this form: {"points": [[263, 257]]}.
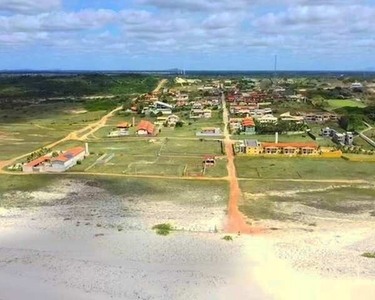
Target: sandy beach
{"points": [[87, 244]]}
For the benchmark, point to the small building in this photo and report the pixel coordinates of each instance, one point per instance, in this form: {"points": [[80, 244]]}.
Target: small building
{"points": [[145, 128], [200, 114], [250, 147], [122, 129], [267, 119], [210, 131], [289, 118], [64, 161], [169, 121], [343, 139], [209, 161], [248, 126], [37, 165], [67, 159]]}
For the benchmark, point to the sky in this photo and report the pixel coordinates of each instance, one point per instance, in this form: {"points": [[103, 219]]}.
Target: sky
{"points": [[187, 34]]}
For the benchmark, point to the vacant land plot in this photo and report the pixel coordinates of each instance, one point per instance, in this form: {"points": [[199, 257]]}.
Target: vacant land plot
{"points": [[192, 147], [288, 201], [18, 139], [303, 168], [338, 103], [141, 157]]}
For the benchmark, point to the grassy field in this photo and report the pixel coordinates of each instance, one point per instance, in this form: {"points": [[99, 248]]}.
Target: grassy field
{"points": [[192, 147], [141, 157], [303, 168], [275, 200], [160, 189], [338, 103]]}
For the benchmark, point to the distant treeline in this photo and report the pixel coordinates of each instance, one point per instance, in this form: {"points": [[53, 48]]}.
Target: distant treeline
{"points": [[30, 87]]}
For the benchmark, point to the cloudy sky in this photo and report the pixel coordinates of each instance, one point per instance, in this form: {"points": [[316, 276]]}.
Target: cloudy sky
{"points": [[195, 34]]}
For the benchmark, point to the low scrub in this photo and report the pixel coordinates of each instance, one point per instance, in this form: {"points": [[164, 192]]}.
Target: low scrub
{"points": [[369, 254], [163, 229], [228, 238]]}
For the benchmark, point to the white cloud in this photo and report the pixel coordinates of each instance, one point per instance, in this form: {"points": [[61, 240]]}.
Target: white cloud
{"points": [[29, 6]]}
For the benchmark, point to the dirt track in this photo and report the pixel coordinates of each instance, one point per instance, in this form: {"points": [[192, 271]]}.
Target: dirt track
{"points": [[75, 135], [236, 221]]}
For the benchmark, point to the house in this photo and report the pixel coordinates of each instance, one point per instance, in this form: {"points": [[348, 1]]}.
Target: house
{"points": [[169, 121], [343, 139], [122, 129], [209, 131], [68, 159], [158, 107], [249, 147], [200, 114], [291, 149], [320, 118], [248, 126], [64, 161], [37, 165], [235, 124], [267, 119], [253, 147], [289, 118], [209, 161], [145, 128]]}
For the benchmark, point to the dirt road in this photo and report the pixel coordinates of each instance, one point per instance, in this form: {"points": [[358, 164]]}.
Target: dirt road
{"points": [[75, 135], [236, 221], [160, 85]]}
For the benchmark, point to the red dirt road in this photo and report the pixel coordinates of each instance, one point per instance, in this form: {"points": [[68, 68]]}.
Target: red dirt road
{"points": [[236, 221]]}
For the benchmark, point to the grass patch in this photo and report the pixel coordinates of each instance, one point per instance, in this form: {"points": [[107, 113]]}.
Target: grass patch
{"points": [[369, 254], [339, 103], [163, 229], [303, 168], [228, 238]]}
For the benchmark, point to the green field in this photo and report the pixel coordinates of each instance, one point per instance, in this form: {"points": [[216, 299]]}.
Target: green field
{"points": [[141, 157], [338, 103], [192, 147], [303, 168]]}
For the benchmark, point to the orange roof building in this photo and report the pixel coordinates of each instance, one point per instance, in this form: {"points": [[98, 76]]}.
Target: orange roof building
{"points": [[123, 125], [145, 128]]}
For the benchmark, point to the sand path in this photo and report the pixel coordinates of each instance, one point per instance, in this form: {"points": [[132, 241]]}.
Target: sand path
{"points": [[236, 221]]}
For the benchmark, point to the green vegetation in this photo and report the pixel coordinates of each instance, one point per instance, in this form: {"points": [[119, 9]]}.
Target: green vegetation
{"points": [[29, 87], [163, 229], [369, 254], [228, 238], [100, 104], [339, 103], [303, 168], [290, 201]]}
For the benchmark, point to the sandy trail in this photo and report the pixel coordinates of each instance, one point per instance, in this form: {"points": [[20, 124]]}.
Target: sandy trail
{"points": [[236, 221], [74, 135], [160, 85]]}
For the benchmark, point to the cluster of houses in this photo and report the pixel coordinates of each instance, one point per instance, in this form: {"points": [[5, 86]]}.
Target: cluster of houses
{"points": [[254, 147], [57, 164], [343, 139]]}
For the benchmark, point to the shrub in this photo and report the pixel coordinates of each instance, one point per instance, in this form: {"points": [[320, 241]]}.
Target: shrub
{"points": [[228, 238], [369, 254], [163, 229]]}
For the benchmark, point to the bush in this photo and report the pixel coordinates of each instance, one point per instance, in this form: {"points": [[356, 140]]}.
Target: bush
{"points": [[369, 254], [228, 238], [163, 229]]}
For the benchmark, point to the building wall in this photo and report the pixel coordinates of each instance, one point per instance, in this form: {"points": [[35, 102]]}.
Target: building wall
{"points": [[253, 150]]}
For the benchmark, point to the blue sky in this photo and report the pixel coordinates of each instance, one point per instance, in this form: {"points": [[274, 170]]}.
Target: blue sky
{"points": [[195, 34]]}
